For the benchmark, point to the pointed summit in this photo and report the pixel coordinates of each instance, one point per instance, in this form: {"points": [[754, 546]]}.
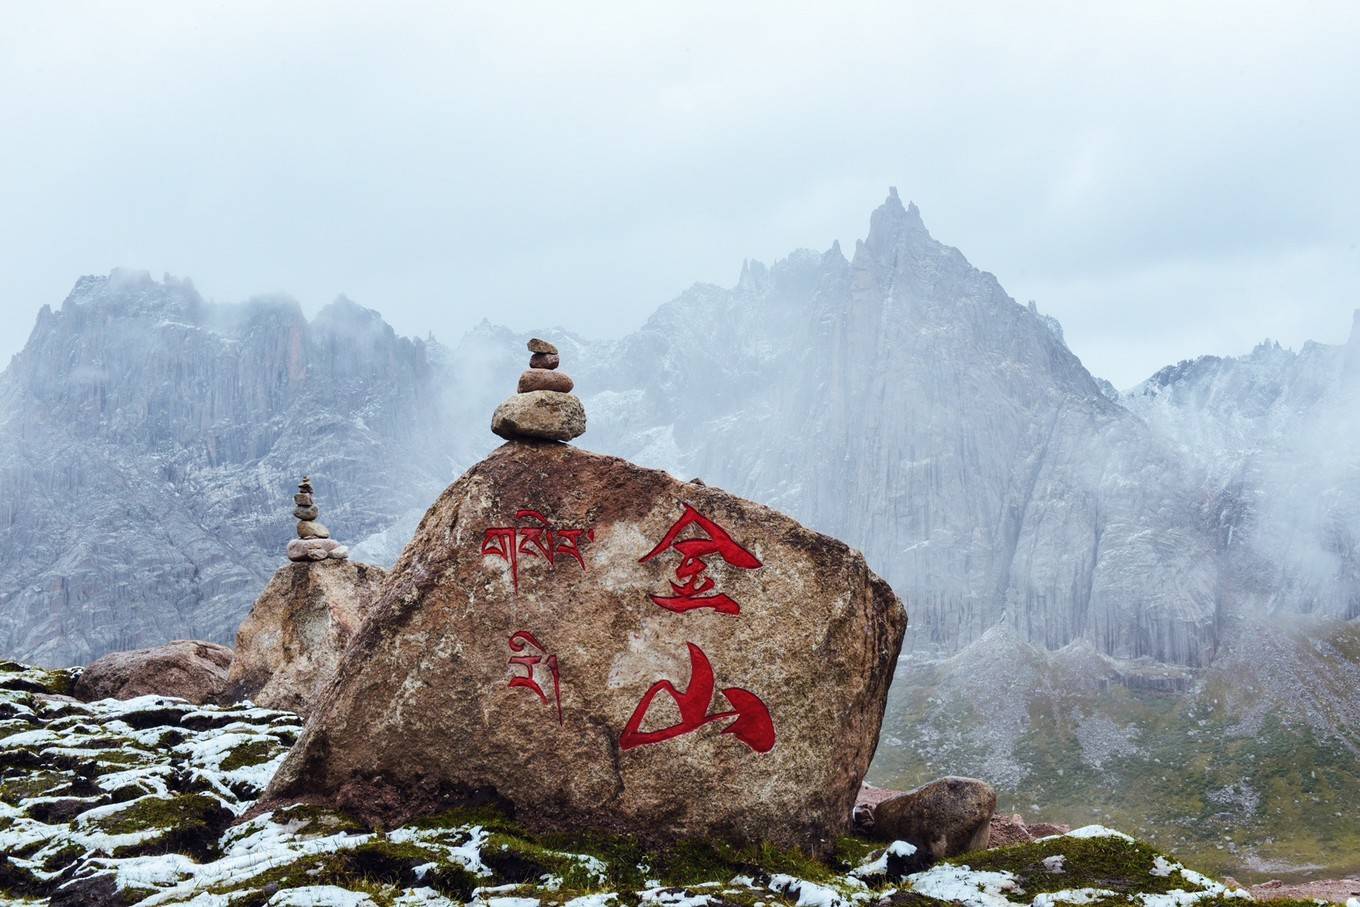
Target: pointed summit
{"points": [[890, 222]]}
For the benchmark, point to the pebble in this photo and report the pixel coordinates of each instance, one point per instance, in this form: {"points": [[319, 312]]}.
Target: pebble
{"points": [[542, 346], [306, 513], [544, 360]]}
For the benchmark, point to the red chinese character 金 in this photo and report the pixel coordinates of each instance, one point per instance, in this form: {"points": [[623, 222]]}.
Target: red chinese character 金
{"points": [[689, 591], [542, 540], [751, 724], [521, 640]]}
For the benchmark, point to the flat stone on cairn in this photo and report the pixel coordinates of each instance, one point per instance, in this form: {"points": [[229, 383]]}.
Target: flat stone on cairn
{"points": [[544, 406], [314, 542]]}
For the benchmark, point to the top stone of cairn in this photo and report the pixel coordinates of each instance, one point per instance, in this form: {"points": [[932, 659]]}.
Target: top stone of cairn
{"points": [[542, 346]]}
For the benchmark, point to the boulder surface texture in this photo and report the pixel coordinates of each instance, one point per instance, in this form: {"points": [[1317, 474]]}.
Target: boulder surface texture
{"points": [[946, 817], [290, 644], [546, 414], [187, 668], [587, 643]]}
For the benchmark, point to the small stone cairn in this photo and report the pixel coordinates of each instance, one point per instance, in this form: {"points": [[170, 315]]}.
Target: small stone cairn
{"points": [[544, 408], [314, 542]]}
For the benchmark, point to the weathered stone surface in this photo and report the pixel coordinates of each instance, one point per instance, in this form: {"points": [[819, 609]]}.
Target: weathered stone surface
{"points": [[304, 499], [780, 669], [545, 361], [339, 552], [866, 801], [311, 529], [187, 668], [313, 549], [946, 817], [541, 346], [549, 415], [541, 379], [307, 513], [289, 645]]}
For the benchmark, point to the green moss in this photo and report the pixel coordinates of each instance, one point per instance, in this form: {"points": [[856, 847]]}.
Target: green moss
{"points": [[1106, 862], [189, 823], [252, 753], [316, 820], [31, 784]]}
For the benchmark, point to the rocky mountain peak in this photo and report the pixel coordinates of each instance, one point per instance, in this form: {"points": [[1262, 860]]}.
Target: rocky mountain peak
{"points": [[892, 225]]}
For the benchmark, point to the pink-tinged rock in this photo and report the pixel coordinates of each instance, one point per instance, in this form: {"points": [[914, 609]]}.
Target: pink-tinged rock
{"points": [[547, 361], [540, 379], [289, 645], [1007, 830], [531, 648], [187, 668], [537, 346], [311, 549]]}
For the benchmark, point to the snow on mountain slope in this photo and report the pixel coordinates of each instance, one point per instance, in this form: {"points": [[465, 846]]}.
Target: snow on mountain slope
{"points": [[147, 442], [1274, 437]]}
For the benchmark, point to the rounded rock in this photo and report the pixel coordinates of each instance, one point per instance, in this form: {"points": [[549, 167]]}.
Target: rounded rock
{"points": [[541, 346], [311, 549], [946, 817], [549, 415], [308, 512], [311, 529], [541, 379], [545, 360], [303, 499]]}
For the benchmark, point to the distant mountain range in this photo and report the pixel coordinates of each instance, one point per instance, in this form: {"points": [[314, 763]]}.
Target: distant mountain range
{"points": [[1105, 551]]}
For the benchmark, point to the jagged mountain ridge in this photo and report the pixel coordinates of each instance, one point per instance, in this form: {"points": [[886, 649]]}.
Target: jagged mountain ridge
{"points": [[898, 399], [1273, 437], [147, 439]]}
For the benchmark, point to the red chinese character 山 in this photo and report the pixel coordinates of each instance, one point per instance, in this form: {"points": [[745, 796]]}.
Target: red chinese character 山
{"points": [[690, 592], [750, 724], [542, 540], [523, 640]]}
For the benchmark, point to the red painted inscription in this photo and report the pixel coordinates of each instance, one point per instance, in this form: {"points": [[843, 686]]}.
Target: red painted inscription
{"points": [[521, 641], [539, 539], [692, 590], [751, 719]]}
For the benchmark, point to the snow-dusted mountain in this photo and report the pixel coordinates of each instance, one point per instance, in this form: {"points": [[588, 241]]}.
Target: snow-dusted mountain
{"points": [[1274, 435], [1100, 585], [147, 442]]}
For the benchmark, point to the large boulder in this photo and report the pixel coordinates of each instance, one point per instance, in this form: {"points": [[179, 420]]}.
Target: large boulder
{"points": [[944, 818], [587, 643], [288, 647], [187, 668]]}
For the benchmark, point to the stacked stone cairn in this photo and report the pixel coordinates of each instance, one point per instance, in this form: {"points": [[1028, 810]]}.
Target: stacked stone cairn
{"points": [[314, 542], [544, 408]]}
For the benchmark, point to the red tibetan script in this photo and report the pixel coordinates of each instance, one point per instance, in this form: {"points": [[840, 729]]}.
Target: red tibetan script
{"points": [[541, 540], [751, 722], [519, 642], [689, 592]]}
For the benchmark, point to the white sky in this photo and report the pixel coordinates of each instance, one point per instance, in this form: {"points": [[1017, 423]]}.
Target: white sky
{"points": [[1168, 179]]}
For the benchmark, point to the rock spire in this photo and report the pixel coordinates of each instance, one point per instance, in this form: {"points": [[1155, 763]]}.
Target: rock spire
{"points": [[544, 406], [314, 542]]}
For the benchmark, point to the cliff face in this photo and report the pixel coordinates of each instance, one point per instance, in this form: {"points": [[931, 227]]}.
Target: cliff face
{"points": [[147, 443], [902, 401], [1271, 437]]}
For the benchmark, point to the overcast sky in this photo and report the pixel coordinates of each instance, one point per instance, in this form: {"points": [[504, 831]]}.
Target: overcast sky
{"points": [[1168, 179]]}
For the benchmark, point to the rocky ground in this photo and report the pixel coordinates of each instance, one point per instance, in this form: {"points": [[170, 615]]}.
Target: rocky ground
{"points": [[139, 802]]}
